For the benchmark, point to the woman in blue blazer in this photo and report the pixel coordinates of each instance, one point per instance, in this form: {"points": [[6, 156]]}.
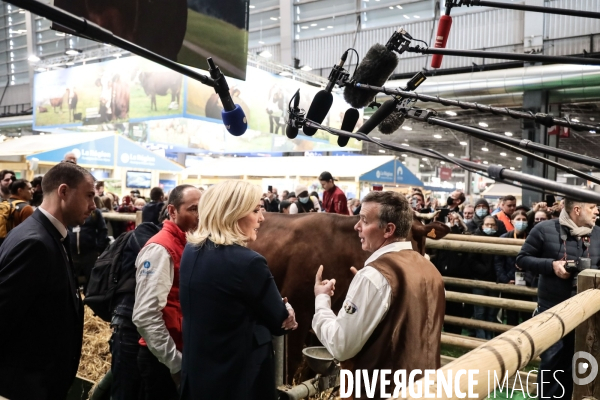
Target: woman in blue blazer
{"points": [[230, 304]]}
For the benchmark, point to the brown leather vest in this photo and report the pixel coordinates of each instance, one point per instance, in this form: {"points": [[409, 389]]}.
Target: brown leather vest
{"points": [[409, 335]]}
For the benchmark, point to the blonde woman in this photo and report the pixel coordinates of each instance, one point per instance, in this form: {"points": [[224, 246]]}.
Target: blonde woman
{"points": [[231, 306]]}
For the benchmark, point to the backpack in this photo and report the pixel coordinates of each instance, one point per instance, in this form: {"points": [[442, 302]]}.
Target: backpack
{"points": [[114, 271], [7, 215]]}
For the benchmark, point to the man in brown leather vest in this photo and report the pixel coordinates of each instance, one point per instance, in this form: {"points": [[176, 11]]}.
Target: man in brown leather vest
{"points": [[394, 311]]}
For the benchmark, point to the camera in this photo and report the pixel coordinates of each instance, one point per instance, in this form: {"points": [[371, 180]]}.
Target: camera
{"points": [[576, 266]]}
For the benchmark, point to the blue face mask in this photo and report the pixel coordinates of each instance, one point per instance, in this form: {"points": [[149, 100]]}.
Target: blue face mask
{"points": [[489, 231], [520, 225], [481, 212], [303, 200]]}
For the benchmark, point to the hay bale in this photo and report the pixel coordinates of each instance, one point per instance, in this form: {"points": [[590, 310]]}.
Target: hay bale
{"points": [[95, 353]]}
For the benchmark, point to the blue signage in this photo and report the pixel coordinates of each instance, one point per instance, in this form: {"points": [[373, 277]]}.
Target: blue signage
{"points": [[392, 172], [384, 173], [94, 152], [405, 177], [130, 155]]}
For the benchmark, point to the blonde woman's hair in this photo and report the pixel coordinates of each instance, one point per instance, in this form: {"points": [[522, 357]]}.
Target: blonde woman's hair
{"points": [[220, 209]]}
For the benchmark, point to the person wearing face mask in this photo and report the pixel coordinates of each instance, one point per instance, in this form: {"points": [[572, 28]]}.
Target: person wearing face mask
{"points": [[454, 201], [548, 247], [305, 203], [482, 269], [482, 210], [506, 266]]}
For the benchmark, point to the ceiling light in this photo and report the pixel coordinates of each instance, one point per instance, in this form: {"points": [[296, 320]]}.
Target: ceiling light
{"points": [[304, 27], [251, 6], [417, 17], [424, 158], [452, 113], [499, 165], [407, 128], [451, 154], [391, 7], [592, 131], [33, 58], [382, 151], [463, 143], [306, 68], [485, 149], [329, 27], [273, 19], [592, 119], [40, 69], [503, 154], [508, 133], [404, 155], [261, 42], [443, 162], [406, 16], [437, 136], [483, 124], [375, 137], [265, 54], [405, 144], [574, 120], [404, 162], [513, 168], [519, 158], [69, 63], [313, 24], [285, 73], [485, 162], [321, 29], [421, 165], [399, 7], [72, 52]]}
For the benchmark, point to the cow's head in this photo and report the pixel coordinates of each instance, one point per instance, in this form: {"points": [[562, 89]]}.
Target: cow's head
{"points": [[420, 233]]}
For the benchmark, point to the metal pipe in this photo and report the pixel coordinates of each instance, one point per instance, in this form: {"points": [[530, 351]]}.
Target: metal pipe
{"points": [[525, 7], [301, 391], [278, 346]]}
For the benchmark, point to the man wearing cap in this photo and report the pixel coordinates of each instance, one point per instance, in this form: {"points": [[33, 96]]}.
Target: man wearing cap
{"points": [[334, 199], [305, 202]]}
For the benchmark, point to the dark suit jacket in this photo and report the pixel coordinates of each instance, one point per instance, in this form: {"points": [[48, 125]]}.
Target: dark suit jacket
{"points": [[41, 317], [231, 307]]}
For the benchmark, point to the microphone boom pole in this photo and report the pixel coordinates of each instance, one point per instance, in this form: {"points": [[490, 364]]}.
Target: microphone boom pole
{"points": [[494, 171], [543, 119], [505, 56], [523, 7]]}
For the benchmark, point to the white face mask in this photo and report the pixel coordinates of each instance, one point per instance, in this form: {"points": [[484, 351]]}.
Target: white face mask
{"points": [[467, 220], [303, 200]]}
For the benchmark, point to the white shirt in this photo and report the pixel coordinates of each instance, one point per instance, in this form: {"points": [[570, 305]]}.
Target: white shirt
{"points": [[154, 278], [366, 304], [57, 224], [315, 201]]}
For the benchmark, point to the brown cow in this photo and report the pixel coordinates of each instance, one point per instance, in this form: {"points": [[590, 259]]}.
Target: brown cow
{"points": [[295, 246]]}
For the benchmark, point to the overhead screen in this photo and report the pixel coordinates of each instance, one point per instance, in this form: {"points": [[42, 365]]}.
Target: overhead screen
{"points": [[186, 31]]}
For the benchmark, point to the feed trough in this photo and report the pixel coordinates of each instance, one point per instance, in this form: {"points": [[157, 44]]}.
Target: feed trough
{"points": [[320, 360]]}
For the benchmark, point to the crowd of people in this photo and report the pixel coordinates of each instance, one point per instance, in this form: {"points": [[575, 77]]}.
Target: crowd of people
{"points": [[227, 315]]}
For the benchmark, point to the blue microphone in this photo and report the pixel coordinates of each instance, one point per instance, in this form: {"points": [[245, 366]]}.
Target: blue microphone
{"points": [[232, 114]]}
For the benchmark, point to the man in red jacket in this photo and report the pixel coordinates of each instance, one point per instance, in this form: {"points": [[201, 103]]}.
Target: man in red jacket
{"points": [[157, 312], [334, 199]]}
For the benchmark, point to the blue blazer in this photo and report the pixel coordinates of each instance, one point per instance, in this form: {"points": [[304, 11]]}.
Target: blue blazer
{"points": [[231, 308], [41, 315]]}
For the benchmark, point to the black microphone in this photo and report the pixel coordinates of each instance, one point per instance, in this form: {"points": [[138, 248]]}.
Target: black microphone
{"points": [[348, 123], [378, 116], [375, 68], [291, 130], [392, 123], [233, 116], [323, 100]]}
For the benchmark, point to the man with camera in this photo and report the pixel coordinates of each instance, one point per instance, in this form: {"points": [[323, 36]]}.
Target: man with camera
{"points": [[573, 239]]}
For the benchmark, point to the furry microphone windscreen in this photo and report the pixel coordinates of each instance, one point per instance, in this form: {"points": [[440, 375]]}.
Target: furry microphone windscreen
{"points": [[392, 123], [375, 69]]}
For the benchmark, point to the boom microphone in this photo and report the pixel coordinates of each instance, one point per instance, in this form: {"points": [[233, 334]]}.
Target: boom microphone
{"points": [[442, 37], [291, 130], [348, 123], [378, 116], [232, 114], [323, 100], [392, 123], [375, 68]]}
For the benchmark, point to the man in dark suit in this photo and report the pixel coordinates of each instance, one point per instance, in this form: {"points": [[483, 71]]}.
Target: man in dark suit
{"points": [[40, 306]]}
